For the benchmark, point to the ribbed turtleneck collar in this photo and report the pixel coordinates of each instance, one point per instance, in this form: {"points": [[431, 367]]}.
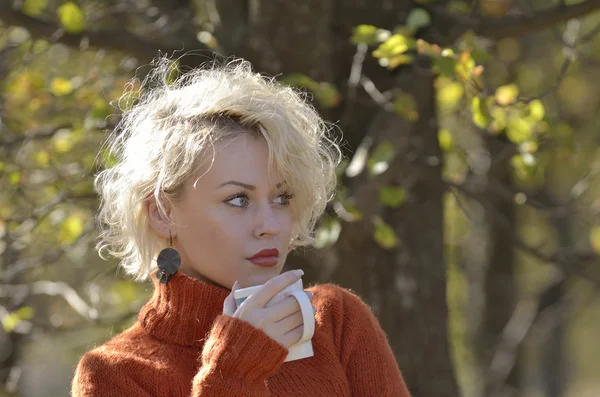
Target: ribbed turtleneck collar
{"points": [[183, 310]]}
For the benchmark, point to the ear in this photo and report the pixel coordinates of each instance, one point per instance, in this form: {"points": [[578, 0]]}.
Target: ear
{"points": [[158, 223]]}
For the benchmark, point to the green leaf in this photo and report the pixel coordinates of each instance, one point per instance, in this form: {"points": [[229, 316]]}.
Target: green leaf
{"points": [[536, 110], [481, 114], [364, 34], [34, 7], [392, 196], [42, 158], [71, 229], [10, 321], [384, 235], [71, 17], [327, 233], [449, 94], [327, 95], [380, 159], [519, 130], [418, 18], [406, 106], [445, 139], [395, 61], [14, 177], [507, 94], [60, 86], [396, 44], [444, 65]]}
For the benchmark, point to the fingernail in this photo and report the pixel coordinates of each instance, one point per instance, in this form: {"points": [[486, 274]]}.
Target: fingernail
{"points": [[298, 272], [235, 286], [310, 294]]}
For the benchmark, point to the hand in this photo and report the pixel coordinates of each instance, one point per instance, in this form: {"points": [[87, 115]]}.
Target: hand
{"points": [[281, 321]]}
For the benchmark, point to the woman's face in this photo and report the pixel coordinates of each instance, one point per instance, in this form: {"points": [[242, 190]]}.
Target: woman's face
{"points": [[228, 212]]}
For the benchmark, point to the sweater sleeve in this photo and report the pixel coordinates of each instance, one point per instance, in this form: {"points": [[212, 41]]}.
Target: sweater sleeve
{"points": [[236, 360], [370, 365]]}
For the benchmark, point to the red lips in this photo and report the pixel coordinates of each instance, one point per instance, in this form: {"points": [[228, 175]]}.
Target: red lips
{"points": [[265, 258]]}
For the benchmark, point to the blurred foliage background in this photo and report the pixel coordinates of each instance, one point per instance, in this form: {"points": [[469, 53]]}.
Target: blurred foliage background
{"points": [[467, 213]]}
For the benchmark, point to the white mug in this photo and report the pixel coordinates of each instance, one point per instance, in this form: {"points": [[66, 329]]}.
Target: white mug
{"points": [[303, 348]]}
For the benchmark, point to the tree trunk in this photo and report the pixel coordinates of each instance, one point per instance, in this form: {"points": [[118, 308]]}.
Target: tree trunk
{"points": [[405, 286]]}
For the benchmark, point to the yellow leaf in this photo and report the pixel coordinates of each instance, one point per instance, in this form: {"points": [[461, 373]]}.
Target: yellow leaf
{"points": [[42, 158], [595, 238], [449, 94], [71, 229], [536, 109], [71, 17], [445, 139], [507, 94], [61, 86]]}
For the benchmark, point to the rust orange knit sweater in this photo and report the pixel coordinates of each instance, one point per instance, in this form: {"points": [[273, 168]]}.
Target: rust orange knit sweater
{"points": [[183, 346]]}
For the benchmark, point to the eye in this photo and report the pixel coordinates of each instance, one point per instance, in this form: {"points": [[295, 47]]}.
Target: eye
{"points": [[284, 199], [238, 201]]}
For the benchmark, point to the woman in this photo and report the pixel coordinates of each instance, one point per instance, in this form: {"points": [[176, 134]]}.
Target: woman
{"points": [[223, 164]]}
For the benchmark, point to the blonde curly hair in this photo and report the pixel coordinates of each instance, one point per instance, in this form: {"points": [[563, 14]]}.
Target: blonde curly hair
{"points": [[158, 142]]}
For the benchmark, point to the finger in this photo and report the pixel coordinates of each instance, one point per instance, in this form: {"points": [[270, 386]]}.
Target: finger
{"points": [[272, 288], [293, 337], [229, 305], [290, 322], [310, 295], [283, 309]]}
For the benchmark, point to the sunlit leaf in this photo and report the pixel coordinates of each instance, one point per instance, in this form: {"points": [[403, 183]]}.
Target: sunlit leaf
{"points": [[395, 61], [536, 109], [392, 196], [34, 7], [61, 86], [12, 320], [384, 235], [519, 130], [14, 177], [365, 34], [445, 139], [71, 229], [449, 94], [507, 94], [595, 239], [418, 18], [396, 44], [481, 113], [42, 158], [71, 17], [465, 65]]}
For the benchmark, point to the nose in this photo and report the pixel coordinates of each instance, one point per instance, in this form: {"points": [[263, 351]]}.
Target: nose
{"points": [[267, 222]]}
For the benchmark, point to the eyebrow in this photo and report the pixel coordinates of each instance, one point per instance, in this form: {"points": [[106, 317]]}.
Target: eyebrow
{"points": [[245, 185]]}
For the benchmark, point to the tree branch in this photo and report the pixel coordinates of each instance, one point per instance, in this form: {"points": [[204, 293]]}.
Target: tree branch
{"points": [[516, 25], [119, 40]]}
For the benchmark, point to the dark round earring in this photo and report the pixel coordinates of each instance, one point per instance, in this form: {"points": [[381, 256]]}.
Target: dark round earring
{"points": [[168, 262]]}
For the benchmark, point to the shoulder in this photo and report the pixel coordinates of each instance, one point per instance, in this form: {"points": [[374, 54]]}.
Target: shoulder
{"points": [[123, 363], [335, 297], [132, 346]]}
